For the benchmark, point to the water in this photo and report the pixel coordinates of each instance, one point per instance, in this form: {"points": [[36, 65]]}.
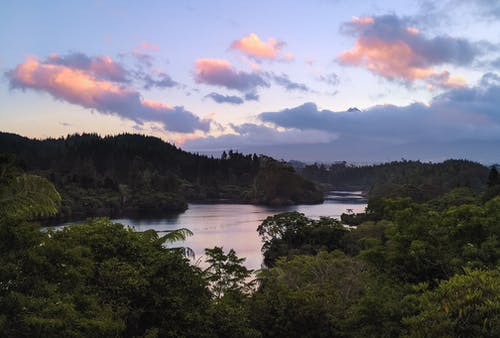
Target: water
{"points": [[235, 225]]}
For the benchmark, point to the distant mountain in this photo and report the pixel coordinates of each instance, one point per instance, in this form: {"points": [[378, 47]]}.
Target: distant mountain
{"points": [[132, 174], [353, 109]]}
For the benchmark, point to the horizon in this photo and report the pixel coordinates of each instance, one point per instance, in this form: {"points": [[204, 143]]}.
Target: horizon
{"points": [[218, 153], [323, 81]]}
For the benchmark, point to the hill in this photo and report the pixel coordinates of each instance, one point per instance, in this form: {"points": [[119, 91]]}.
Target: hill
{"points": [[132, 174], [418, 180]]}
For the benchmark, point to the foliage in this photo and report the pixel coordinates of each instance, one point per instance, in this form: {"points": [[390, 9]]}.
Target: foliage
{"points": [[226, 274], [136, 175], [171, 237], [24, 196], [493, 177], [291, 233], [413, 257], [308, 296], [466, 305], [424, 245], [416, 264], [101, 279], [417, 180], [230, 284], [278, 184]]}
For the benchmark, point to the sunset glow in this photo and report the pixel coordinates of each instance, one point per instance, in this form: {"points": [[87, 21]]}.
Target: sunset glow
{"points": [[338, 75]]}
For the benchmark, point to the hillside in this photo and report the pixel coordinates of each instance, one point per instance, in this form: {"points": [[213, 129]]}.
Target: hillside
{"points": [[132, 174], [418, 180]]}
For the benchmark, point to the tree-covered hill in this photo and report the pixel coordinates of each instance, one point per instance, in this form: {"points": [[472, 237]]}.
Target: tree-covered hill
{"points": [[134, 174], [418, 180]]}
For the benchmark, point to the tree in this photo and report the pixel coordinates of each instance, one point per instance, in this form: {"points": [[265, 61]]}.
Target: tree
{"points": [[171, 237], [466, 305], [24, 196], [291, 233], [226, 274], [308, 296], [230, 283], [102, 279], [493, 177]]}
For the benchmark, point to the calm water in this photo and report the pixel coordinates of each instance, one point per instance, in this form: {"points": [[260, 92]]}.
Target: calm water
{"points": [[234, 225]]}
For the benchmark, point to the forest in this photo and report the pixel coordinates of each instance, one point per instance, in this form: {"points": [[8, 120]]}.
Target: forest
{"points": [[419, 180], [404, 268], [136, 175]]}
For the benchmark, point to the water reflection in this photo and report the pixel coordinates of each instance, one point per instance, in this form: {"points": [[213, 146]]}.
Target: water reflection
{"points": [[234, 225]]}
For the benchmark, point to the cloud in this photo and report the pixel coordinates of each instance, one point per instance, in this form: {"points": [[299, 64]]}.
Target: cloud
{"points": [[219, 98], [101, 67], [390, 48], [252, 46], [495, 63], [146, 46], [221, 73], [144, 71], [461, 123], [284, 81], [163, 80], [460, 113], [489, 7], [485, 8], [331, 79], [249, 135], [251, 97], [85, 86]]}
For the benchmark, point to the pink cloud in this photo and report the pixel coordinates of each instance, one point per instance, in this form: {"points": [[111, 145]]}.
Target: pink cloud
{"points": [[221, 73], [149, 47], [102, 67], [82, 87], [389, 48], [366, 20], [252, 46]]}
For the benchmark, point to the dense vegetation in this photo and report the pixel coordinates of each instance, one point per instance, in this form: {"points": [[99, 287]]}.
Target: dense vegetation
{"points": [[408, 268], [135, 174], [420, 181]]}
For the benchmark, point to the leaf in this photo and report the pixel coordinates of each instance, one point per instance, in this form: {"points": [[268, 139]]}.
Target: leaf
{"points": [[176, 236], [26, 196]]}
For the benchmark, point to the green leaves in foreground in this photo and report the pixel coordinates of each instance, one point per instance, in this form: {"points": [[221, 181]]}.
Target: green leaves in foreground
{"points": [[466, 305], [27, 196], [100, 279], [171, 237]]}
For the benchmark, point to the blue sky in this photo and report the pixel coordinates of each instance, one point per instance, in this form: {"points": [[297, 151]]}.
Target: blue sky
{"points": [[275, 77]]}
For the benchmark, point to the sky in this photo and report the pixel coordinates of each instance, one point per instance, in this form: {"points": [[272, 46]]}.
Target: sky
{"points": [[319, 80]]}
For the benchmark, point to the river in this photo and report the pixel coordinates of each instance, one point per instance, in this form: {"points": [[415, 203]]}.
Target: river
{"points": [[235, 225]]}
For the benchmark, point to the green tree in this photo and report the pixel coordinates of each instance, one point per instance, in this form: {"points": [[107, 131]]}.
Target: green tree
{"points": [[291, 233], [308, 296], [24, 196], [101, 279], [230, 283], [171, 237], [226, 273], [466, 305], [493, 177]]}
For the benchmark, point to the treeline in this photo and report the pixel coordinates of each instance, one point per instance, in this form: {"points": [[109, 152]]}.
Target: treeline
{"points": [[141, 175], [417, 180]]}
